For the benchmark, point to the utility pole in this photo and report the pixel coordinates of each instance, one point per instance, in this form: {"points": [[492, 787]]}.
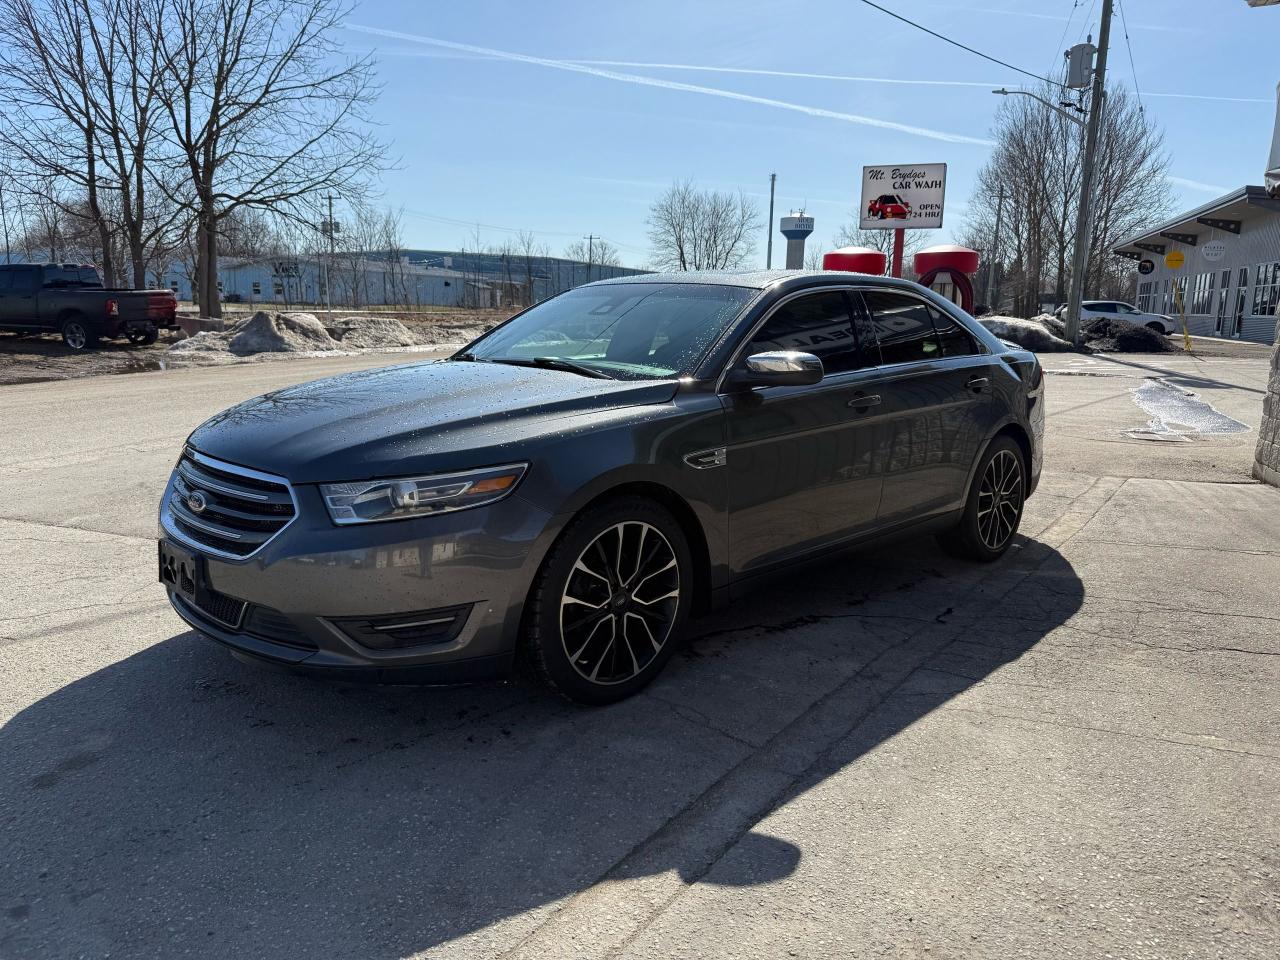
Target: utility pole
{"points": [[1080, 256], [991, 254], [768, 258], [329, 229], [591, 239]]}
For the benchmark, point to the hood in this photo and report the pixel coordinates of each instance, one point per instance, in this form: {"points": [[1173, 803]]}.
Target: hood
{"points": [[414, 418]]}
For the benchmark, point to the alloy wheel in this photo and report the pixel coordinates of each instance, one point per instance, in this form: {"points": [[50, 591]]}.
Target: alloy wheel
{"points": [[620, 602], [999, 499], [75, 335]]}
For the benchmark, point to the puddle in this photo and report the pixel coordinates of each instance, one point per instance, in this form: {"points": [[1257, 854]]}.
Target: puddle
{"points": [[1169, 405]]}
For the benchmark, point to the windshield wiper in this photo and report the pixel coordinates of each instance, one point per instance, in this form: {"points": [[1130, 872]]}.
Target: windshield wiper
{"points": [[550, 363]]}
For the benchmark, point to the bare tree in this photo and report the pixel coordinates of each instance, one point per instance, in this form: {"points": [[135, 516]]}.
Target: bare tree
{"points": [[263, 110], [599, 252], [851, 235], [1036, 164], [692, 229]]}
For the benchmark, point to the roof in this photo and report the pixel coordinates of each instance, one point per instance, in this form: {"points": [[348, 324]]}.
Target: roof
{"points": [[1246, 203], [754, 279]]}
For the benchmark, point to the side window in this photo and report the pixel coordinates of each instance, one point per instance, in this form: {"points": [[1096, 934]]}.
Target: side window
{"points": [[24, 280], [5, 281], [1103, 308], [955, 339], [903, 326], [819, 324]]}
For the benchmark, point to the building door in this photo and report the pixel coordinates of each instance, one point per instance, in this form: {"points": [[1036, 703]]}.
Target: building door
{"points": [[1224, 298], [1242, 292]]}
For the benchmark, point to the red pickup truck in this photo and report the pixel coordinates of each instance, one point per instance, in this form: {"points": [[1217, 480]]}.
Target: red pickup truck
{"points": [[69, 298]]}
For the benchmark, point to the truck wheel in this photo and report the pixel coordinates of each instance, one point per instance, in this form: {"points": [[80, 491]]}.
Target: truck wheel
{"points": [[77, 335], [143, 338]]}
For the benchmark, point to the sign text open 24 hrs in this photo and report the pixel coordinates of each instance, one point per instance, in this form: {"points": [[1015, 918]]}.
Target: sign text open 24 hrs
{"points": [[903, 196]]}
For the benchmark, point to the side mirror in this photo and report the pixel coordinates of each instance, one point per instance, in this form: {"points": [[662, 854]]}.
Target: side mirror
{"points": [[780, 368]]}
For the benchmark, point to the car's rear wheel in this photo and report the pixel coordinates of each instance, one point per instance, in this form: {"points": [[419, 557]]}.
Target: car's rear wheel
{"points": [[1157, 327], [993, 511], [77, 335], [610, 602]]}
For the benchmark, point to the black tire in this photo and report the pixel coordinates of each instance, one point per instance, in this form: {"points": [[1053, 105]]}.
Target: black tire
{"points": [[986, 528], [1157, 327], [77, 334], [649, 598], [143, 338]]}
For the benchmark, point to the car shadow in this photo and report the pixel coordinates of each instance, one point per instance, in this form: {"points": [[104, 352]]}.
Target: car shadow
{"points": [[179, 801]]}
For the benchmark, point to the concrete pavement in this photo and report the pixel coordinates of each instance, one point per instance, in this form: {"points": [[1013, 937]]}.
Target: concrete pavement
{"points": [[1070, 753]]}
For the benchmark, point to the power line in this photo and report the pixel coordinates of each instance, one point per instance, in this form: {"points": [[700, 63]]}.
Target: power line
{"points": [[1057, 53], [1133, 69], [956, 43]]}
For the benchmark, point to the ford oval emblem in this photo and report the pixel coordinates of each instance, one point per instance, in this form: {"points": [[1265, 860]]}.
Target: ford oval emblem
{"points": [[196, 501]]}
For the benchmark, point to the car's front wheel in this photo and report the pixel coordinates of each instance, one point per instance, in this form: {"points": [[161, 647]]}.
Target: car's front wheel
{"points": [[610, 601], [993, 510]]}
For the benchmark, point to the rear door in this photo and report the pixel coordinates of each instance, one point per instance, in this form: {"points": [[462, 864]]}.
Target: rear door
{"points": [[801, 461], [936, 385]]}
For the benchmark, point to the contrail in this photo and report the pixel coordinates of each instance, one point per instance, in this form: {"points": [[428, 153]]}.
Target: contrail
{"points": [[856, 79], [673, 85], [784, 73], [1195, 185]]}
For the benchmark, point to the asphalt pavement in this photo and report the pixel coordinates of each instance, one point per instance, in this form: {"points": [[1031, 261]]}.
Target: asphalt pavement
{"points": [[1071, 753]]}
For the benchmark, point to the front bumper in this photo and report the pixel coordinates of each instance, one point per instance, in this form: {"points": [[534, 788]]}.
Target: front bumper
{"points": [[306, 598]]}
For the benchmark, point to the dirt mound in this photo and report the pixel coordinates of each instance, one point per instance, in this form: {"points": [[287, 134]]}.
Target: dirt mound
{"points": [[363, 333], [1120, 336], [1031, 334]]}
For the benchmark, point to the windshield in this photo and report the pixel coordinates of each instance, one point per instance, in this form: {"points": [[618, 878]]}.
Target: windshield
{"points": [[631, 331]]}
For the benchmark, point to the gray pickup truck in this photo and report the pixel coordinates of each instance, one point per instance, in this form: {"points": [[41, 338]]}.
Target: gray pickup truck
{"points": [[69, 298]]}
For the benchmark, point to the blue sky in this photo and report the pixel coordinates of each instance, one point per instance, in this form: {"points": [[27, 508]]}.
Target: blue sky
{"points": [[573, 115]]}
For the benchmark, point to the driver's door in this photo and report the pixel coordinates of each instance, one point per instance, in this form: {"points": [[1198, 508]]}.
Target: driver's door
{"points": [[801, 462]]}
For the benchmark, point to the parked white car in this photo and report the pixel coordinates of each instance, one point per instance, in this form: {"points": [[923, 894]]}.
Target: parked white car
{"points": [[1091, 309]]}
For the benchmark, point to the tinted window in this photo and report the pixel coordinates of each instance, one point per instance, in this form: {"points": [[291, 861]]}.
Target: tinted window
{"points": [[904, 327], [819, 324], [71, 276], [4, 281], [24, 279], [955, 339], [1102, 307], [627, 330]]}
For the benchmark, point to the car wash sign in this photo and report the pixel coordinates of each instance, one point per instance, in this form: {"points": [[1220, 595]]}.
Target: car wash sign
{"points": [[903, 196]]}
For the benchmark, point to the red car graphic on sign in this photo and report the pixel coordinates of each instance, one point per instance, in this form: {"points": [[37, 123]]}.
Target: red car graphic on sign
{"points": [[889, 206]]}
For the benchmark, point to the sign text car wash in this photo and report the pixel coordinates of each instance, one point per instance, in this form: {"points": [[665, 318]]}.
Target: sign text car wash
{"points": [[902, 197]]}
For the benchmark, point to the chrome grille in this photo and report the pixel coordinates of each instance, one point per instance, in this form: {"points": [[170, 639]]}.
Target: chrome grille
{"points": [[225, 509]]}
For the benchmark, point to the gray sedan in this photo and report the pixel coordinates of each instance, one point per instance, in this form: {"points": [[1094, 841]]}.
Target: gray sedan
{"points": [[570, 488]]}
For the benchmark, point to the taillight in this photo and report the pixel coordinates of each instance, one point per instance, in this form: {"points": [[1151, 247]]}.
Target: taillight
{"points": [[113, 308], [1037, 379]]}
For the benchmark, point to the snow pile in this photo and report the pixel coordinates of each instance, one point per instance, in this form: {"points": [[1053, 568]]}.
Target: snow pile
{"points": [[1031, 334], [300, 333], [363, 333], [1120, 336], [279, 333]]}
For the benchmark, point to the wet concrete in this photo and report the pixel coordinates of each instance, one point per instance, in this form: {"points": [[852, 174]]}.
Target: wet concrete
{"points": [[1171, 406]]}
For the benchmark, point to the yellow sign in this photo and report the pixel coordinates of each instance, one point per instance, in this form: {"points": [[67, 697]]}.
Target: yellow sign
{"points": [[1174, 259]]}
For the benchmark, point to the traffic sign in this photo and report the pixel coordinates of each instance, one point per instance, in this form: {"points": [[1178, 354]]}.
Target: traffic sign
{"points": [[1174, 259]]}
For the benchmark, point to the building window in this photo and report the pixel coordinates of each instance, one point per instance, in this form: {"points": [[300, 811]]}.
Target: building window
{"points": [[278, 288], [1266, 289], [257, 287], [1144, 296], [1202, 294]]}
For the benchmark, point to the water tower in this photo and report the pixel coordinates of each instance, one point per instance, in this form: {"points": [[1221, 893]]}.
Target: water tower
{"points": [[796, 228]]}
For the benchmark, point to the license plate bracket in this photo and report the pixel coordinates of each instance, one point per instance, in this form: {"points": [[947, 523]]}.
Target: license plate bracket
{"points": [[181, 570]]}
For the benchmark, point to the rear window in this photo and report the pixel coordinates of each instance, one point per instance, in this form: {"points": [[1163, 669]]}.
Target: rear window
{"points": [[71, 276]]}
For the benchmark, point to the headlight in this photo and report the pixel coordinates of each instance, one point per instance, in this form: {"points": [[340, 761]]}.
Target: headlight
{"points": [[370, 501]]}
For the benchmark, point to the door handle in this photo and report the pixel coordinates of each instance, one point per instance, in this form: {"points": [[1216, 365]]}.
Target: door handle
{"points": [[976, 384], [863, 401]]}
